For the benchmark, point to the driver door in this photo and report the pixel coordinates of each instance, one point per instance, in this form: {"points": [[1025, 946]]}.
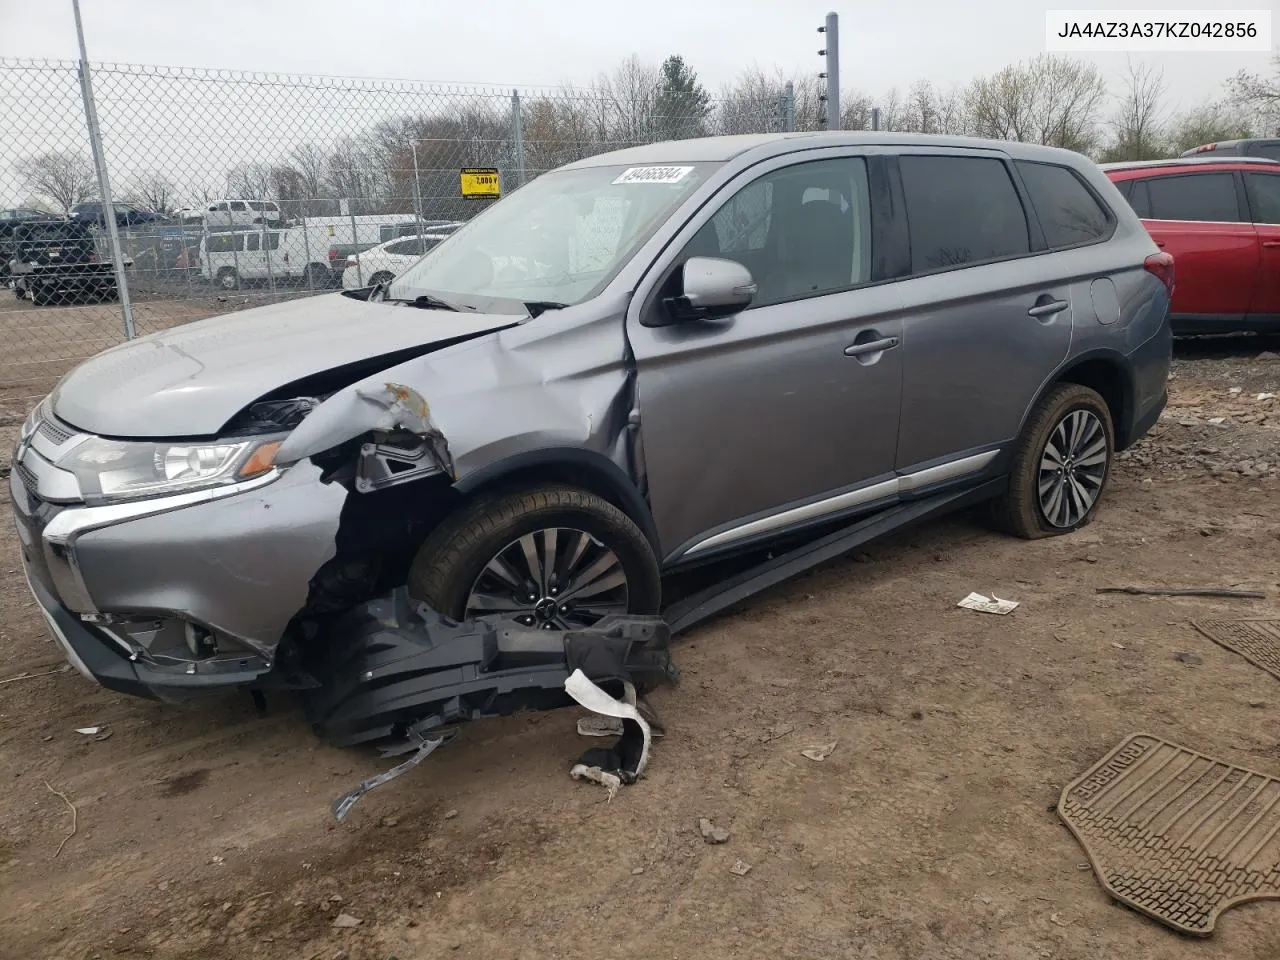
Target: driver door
{"points": [[779, 416]]}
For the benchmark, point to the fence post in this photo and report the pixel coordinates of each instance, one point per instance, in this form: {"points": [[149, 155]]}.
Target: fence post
{"points": [[517, 136], [355, 243], [875, 118], [789, 108], [104, 182], [832, 29]]}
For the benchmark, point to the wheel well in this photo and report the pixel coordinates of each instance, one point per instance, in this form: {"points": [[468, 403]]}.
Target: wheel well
{"points": [[379, 533], [1108, 379]]}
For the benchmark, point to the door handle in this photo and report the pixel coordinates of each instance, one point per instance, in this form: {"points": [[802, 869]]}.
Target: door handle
{"points": [[1271, 243], [1047, 309], [870, 346]]}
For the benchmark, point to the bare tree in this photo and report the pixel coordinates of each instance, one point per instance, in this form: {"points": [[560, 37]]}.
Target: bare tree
{"points": [[625, 101], [1051, 100], [252, 181], [311, 163], [1259, 94], [66, 178], [152, 191], [1138, 124]]}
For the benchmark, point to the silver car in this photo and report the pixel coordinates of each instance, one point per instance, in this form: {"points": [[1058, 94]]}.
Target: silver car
{"points": [[632, 365]]}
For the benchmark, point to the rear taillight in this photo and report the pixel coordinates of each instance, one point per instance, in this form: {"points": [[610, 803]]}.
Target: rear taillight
{"points": [[333, 254], [93, 258], [1160, 266]]}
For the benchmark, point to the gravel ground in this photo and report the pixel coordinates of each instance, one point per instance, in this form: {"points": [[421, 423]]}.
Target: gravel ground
{"points": [[203, 831]]}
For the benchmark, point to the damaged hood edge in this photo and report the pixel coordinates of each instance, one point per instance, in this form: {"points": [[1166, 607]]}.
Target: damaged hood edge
{"points": [[191, 380]]}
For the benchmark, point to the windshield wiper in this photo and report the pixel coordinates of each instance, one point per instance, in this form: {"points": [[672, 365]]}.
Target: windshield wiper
{"points": [[538, 307], [430, 302]]}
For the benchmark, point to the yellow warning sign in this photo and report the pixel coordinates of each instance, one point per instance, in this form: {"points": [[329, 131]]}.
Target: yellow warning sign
{"points": [[480, 182]]}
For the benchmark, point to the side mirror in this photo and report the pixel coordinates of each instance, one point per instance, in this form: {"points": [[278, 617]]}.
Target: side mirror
{"points": [[711, 288]]}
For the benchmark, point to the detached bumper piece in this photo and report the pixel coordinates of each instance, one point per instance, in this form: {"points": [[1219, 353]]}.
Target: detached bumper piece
{"points": [[396, 674]]}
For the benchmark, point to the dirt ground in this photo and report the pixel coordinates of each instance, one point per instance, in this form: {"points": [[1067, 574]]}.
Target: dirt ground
{"points": [[204, 831]]}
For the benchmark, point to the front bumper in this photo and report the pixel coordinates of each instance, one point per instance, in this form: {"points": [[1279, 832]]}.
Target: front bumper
{"points": [[116, 584]]}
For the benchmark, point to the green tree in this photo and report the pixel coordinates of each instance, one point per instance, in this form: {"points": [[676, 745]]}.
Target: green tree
{"points": [[682, 104]]}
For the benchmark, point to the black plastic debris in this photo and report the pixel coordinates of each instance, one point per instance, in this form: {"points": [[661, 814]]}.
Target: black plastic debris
{"points": [[395, 674]]}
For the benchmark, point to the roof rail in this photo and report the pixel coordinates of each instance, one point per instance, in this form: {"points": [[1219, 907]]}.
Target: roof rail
{"points": [[1182, 162]]}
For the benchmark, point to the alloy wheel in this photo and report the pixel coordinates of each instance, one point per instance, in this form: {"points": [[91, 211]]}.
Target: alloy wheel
{"points": [[555, 578], [1073, 468]]}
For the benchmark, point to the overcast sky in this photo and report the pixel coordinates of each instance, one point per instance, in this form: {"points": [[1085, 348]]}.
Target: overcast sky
{"points": [[516, 42]]}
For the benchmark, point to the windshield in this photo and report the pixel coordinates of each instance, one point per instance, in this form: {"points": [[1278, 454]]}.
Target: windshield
{"points": [[557, 240]]}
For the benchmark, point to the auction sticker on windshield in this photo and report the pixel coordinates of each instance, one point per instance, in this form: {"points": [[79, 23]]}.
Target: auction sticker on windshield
{"points": [[653, 174]]}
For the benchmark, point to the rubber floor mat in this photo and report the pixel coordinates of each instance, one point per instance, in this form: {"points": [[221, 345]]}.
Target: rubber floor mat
{"points": [[1258, 641], [1175, 834]]}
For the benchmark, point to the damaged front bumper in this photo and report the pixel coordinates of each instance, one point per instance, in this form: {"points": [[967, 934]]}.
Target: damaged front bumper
{"points": [[176, 596]]}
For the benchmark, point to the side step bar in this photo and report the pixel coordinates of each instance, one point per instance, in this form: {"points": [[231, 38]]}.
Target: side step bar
{"points": [[706, 603]]}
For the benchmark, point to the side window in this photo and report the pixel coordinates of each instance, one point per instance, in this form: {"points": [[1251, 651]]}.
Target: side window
{"points": [[386, 233], [404, 248], [254, 204], [252, 242], [238, 205], [1069, 214], [273, 241], [1264, 193], [1195, 196], [1269, 150], [802, 231], [961, 210]]}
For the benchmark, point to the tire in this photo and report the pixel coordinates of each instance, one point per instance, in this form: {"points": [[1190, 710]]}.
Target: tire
{"points": [[227, 279], [20, 292], [39, 297], [382, 276], [1021, 510], [594, 543], [317, 275]]}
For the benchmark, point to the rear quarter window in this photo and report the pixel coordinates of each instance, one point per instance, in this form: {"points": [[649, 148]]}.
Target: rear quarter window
{"points": [[223, 243], [1068, 212], [961, 210]]}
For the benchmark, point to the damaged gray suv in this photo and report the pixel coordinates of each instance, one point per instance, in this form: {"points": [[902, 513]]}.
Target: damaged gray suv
{"points": [[636, 364]]}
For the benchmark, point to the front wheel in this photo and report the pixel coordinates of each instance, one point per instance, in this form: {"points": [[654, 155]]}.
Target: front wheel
{"points": [[555, 558], [1060, 467], [227, 279], [382, 276]]}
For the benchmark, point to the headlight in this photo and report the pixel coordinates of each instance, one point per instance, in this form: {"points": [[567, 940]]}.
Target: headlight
{"points": [[119, 470]]}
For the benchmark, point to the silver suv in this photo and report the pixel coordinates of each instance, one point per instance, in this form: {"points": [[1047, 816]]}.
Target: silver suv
{"points": [[634, 364]]}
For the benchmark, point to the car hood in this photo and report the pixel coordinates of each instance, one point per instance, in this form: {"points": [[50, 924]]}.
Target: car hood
{"points": [[189, 381]]}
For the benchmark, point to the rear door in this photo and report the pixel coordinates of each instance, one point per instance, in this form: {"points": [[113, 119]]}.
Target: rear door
{"points": [[1200, 218], [985, 323], [1263, 190]]}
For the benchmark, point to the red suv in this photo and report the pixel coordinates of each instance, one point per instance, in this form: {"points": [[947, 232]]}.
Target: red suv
{"points": [[1220, 218]]}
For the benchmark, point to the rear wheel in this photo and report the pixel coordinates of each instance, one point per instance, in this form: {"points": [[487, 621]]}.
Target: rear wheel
{"points": [[20, 291], [41, 296], [1060, 467], [227, 278], [554, 558]]}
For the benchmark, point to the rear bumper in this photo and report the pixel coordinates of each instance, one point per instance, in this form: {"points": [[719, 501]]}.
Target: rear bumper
{"points": [[1149, 366]]}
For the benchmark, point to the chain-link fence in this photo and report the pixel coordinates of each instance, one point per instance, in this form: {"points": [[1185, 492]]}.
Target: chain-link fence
{"points": [[236, 189]]}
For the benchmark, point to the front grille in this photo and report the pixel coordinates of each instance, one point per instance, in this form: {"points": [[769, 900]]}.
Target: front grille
{"points": [[51, 431], [27, 477]]}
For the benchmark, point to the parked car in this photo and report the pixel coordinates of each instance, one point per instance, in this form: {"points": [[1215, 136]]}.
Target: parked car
{"points": [[232, 213], [1220, 218], [1266, 147], [635, 364], [342, 247], [125, 215], [9, 219], [56, 262], [386, 261]]}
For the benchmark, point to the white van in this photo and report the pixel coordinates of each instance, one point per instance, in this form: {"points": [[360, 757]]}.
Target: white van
{"points": [[229, 258]]}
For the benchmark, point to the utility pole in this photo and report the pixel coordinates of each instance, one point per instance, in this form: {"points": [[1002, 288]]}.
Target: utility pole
{"points": [[832, 73]]}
